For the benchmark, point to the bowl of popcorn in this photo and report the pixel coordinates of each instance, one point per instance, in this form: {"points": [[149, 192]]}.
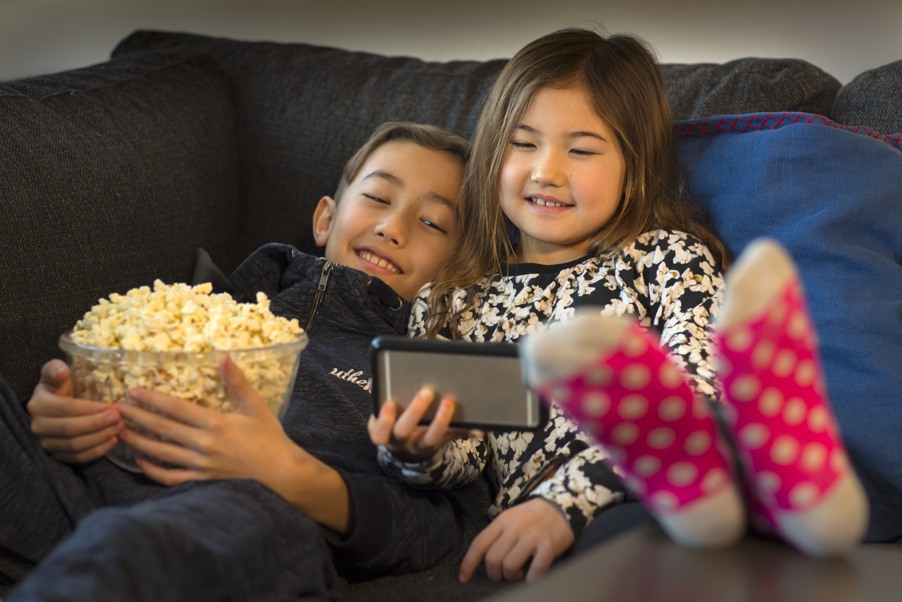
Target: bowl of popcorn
{"points": [[171, 338]]}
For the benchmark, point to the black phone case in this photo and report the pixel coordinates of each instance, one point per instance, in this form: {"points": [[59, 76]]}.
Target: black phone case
{"points": [[426, 346]]}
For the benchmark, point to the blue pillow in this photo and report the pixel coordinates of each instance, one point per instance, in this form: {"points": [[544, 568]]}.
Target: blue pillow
{"points": [[832, 195]]}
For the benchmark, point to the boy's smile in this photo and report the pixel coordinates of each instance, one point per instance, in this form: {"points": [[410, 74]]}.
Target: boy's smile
{"points": [[378, 262], [397, 219]]}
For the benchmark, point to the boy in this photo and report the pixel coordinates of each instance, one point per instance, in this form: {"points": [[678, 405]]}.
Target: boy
{"points": [[318, 500]]}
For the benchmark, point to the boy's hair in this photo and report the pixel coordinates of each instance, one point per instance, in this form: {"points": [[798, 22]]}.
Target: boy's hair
{"points": [[622, 78], [425, 135]]}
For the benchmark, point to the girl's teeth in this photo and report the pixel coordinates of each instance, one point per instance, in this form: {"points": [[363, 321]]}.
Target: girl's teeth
{"points": [[544, 203]]}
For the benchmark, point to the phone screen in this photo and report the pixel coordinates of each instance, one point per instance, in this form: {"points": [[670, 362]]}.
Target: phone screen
{"points": [[485, 378]]}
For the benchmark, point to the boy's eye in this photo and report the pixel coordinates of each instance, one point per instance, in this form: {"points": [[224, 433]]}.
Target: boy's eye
{"points": [[375, 198]]}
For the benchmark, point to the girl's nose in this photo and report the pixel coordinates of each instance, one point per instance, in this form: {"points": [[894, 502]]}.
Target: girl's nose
{"points": [[547, 170]]}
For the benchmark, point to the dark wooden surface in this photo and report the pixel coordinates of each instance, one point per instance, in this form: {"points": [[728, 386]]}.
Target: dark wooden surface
{"points": [[645, 566]]}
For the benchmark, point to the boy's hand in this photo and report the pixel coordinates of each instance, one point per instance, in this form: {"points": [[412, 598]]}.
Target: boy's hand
{"points": [[247, 443], [403, 435], [202, 443], [71, 430], [534, 530]]}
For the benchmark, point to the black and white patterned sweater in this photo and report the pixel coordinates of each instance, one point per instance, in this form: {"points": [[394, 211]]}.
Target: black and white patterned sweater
{"points": [[666, 279]]}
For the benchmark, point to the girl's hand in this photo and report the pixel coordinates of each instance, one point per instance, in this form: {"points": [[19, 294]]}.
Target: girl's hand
{"points": [[535, 529], [403, 435], [202, 443], [72, 430]]}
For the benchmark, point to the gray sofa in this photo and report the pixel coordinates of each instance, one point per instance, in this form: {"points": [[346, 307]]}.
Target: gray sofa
{"points": [[115, 174]]}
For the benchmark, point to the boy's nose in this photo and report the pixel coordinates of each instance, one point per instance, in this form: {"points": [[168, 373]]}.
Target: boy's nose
{"points": [[391, 229]]}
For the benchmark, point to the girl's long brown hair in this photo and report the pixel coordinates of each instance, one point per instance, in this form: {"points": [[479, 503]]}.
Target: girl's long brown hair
{"points": [[622, 77]]}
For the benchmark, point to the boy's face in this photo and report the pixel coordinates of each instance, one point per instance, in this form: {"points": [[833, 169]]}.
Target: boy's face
{"points": [[396, 219]]}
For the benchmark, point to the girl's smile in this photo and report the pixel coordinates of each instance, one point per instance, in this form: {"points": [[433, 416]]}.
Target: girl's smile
{"points": [[547, 201], [562, 177]]}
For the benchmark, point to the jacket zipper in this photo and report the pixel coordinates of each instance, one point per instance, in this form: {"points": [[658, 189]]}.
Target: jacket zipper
{"points": [[320, 293]]}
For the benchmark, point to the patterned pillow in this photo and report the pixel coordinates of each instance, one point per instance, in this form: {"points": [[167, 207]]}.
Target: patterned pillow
{"points": [[831, 195]]}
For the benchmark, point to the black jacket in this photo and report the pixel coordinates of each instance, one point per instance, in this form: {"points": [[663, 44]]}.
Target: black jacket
{"points": [[395, 528]]}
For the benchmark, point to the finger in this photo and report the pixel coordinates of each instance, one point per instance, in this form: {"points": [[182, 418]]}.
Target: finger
{"points": [[160, 451], [46, 403], [81, 444], [83, 456], [513, 563], [166, 476], [247, 399], [380, 428], [161, 425], [540, 565], [437, 433], [176, 409], [496, 555], [476, 552], [55, 374], [412, 415], [74, 425]]}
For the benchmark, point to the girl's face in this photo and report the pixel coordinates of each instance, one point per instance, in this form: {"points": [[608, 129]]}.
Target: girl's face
{"points": [[562, 176]]}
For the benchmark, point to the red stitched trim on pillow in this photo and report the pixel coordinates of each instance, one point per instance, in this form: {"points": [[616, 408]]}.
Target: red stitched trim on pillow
{"points": [[731, 124]]}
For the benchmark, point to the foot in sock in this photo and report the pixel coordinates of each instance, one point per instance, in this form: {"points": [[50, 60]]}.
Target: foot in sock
{"points": [[795, 463], [613, 379]]}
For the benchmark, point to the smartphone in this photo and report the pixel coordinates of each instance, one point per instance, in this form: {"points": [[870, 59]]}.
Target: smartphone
{"points": [[485, 378]]}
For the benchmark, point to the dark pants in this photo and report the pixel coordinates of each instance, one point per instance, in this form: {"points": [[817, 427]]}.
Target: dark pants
{"points": [[100, 533]]}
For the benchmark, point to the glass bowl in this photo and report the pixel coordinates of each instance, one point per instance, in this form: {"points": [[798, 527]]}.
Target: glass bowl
{"points": [[103, 374]]}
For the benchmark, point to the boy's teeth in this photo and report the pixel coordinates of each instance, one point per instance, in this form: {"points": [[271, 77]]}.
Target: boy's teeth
{"points": [[382, 263]]}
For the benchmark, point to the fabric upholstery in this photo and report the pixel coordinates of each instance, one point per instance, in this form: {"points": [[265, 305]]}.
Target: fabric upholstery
{"points": [[110, 176], [872, 99], [830, 195], [303, 110], [751, 85]]}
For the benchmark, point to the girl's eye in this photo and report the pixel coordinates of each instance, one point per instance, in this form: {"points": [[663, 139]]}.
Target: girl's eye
{"points": [[521, 144], [434, 226], [375, 198], [581, 152]]}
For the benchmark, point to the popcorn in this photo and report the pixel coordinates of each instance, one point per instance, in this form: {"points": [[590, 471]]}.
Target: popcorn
{"points": [[170, 339], [180, 317]]}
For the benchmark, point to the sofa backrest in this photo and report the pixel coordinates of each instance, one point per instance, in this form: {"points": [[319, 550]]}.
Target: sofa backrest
{"points": [[110, 176], [872, 99], [303, 110]]}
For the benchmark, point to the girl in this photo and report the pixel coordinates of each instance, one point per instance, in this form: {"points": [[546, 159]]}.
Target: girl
{"points": [[577, 203]]}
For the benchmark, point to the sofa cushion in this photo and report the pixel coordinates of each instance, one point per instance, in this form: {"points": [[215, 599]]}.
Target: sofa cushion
{"points": [[872, 99], [110, 176], [830, 195], [750, 85], [304, 109]]}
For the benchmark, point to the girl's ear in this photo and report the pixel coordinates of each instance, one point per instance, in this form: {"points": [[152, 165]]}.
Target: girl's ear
{"points": [[322, 220]]}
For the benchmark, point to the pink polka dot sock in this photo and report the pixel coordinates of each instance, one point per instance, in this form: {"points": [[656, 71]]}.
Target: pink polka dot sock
{"points": [[612, 378], [800, 480]]}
